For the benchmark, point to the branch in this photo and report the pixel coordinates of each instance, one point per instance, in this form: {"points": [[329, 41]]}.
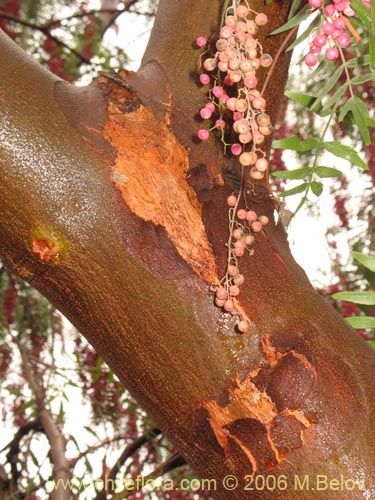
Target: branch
{"points": [[127, 453], [45, 31], [61, 470], [176, 460]]}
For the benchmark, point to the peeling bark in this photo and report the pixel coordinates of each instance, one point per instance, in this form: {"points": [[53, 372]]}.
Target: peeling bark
{"points": [[113, 212]]}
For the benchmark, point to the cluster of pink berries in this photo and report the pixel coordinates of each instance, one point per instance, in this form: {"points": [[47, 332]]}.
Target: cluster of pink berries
{"points": [[234, 95], [332, 34], [241, 240], [231, 71]]}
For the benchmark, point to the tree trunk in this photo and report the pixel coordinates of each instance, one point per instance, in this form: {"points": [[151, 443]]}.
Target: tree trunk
{"points": [[97, 213]]}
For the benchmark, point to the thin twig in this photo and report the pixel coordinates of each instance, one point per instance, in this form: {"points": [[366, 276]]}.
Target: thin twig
{"points": [[277, 57]]}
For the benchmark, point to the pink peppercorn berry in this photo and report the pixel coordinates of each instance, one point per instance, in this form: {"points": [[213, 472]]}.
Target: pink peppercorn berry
{"points": [[243, 326], [332, 53], [232, 200], [204, 79], [315, 4], [203, 134], [311, 60], [236, 149], [221, 294], [201, 41]]}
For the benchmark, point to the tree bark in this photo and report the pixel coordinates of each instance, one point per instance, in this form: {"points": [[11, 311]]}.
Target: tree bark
{"points": [[115, 214]]}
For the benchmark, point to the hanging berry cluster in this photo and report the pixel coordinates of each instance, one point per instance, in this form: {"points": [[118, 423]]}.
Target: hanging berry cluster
{"points": [[332, 33], [238, 109]]}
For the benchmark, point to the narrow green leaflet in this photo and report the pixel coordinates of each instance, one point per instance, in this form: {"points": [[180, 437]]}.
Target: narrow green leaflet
{"points": [[304, 99], [316, 188], [333, 100], [367, 77], [361, 321], [345, 110], [325, 172], [366, 260], [359, 61], [345, 152], [298, 173], [296, 190], [296, 5], [366, 298], [295, 21], [314, 24], [362, 12], [295, 143], [331, 82], [362, 118]]}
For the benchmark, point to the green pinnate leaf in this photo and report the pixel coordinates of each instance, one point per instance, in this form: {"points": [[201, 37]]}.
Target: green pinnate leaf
{"points": [[325, 172], [304, 99], [316, 188], [294, 21], [366, 260], [299, 173], [345, 152], [366, 298], [295, 143], [361, 321], [296, 190]]}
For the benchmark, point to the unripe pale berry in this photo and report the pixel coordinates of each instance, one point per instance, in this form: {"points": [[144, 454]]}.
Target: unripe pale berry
{"points": [[237, 233], [247, 159], [229, 306], [241, 105], [230, 21], [232, 200], [261, 165], [266, 130], [251, 27], [251, 82], [243, 326], [245, 138], [209, 64], [259, 103], [256, 227], [239, 279], [242, 11], [263, 120], [232, 270], [266, 60], [219, 302], [261, 19], [234, 291], [239, 251], [222, 66], [221, 294], [251, 216], [249, 239], [255, 174], [263, 219], [241, 214], [221, 44]]}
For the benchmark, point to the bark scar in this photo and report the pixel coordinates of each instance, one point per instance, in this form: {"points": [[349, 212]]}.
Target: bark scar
{"points": [[155, 164]]}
